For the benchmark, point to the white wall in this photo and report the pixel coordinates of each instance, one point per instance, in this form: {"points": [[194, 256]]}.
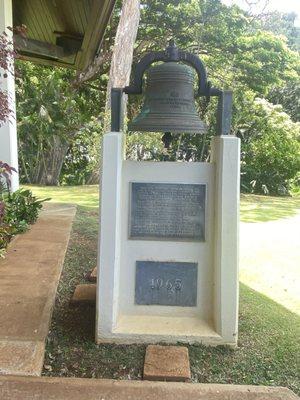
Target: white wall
{"points": [[8, 131], [164, 250]]}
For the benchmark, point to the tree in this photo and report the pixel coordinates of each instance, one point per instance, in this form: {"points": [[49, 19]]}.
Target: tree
{"points": [[263, 60], [120, 67], [281, 24], [271, 148], [289, 97], [51, 114], [241, 53], [237, 54]]}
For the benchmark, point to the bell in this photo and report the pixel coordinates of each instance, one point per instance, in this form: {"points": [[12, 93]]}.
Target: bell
{"points": [[169, 104]]}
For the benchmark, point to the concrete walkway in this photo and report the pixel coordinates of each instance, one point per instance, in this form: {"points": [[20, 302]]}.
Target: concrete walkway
{"points": [[29, 278], [44, 388]]}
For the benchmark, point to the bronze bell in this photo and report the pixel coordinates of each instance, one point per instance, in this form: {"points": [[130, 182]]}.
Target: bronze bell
{"points": [[169, 104]]}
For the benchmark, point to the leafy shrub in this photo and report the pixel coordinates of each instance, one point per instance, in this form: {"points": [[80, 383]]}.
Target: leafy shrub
{"points": [[5, 230], [21, 209], [17, 210], [6, 233], [295, 184]]}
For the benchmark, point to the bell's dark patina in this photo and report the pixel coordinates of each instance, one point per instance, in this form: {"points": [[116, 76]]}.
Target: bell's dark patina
{"points": [[169, 104], [169, 99]]}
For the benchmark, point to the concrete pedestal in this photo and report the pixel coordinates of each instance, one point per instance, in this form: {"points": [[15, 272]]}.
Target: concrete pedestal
{"points": [[213, 318]]}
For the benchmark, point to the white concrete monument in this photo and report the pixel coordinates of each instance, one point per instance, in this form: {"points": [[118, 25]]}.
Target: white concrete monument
{"points": [[168, 250]]}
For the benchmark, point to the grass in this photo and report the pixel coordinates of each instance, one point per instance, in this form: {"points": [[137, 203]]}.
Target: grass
{"points": [[254, 208], [268, 333], [86, 196], [71, 350]]}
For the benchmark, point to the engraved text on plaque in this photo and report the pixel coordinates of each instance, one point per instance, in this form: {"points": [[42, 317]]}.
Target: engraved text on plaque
{"points": [[167, 211]]}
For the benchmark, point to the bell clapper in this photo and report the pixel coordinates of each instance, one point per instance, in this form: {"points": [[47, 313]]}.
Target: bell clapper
{"points": [[166, 139]]}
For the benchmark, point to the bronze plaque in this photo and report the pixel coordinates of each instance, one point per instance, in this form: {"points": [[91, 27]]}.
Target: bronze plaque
{"points": [[165, 211], [166, 283]]}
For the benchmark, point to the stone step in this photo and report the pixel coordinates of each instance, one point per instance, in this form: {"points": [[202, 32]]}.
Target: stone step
{"points": [[93, 275], [84, 294], [46, 388], [167, 363]]}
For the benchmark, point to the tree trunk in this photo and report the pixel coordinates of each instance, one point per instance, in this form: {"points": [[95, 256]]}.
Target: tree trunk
{"points": [[51, 162], [121, 62], [122, 57]]}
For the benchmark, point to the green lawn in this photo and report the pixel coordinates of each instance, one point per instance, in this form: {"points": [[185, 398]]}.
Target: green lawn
{"points": [[256, 208], [86, 196], [253, 208], [268, 332]]}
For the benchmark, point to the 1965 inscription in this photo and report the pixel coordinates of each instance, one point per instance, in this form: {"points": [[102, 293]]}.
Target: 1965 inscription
{"points": [[166, 283], [168, 211]]}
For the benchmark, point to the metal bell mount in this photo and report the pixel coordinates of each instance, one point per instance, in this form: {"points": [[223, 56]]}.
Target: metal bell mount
{"points": [[169, 104]]}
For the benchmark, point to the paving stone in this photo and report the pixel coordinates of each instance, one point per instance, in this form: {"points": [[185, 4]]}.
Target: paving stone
{"points": [[93, 275], [167, 363], [30, 274], [48, 388], [20, 357], [84, 294]]}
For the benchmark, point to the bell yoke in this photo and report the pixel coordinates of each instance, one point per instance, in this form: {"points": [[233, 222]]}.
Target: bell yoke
{"points": [[169, 103]]}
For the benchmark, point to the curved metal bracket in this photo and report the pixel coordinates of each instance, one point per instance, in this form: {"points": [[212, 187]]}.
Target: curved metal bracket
{"points": [[172, 53]]}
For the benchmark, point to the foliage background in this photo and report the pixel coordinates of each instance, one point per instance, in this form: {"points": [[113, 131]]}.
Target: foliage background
{"points": [[258, 58]]}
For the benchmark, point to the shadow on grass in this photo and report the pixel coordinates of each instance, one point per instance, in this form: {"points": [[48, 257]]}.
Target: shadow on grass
{"points": [[256, 208], [267, 347]]}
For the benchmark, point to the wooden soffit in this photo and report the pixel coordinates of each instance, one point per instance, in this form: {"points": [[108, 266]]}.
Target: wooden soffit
{"points": [[66, 33]]}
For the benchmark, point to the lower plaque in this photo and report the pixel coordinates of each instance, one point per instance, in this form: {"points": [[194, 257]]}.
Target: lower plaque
{"points": [[166, 283]]}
